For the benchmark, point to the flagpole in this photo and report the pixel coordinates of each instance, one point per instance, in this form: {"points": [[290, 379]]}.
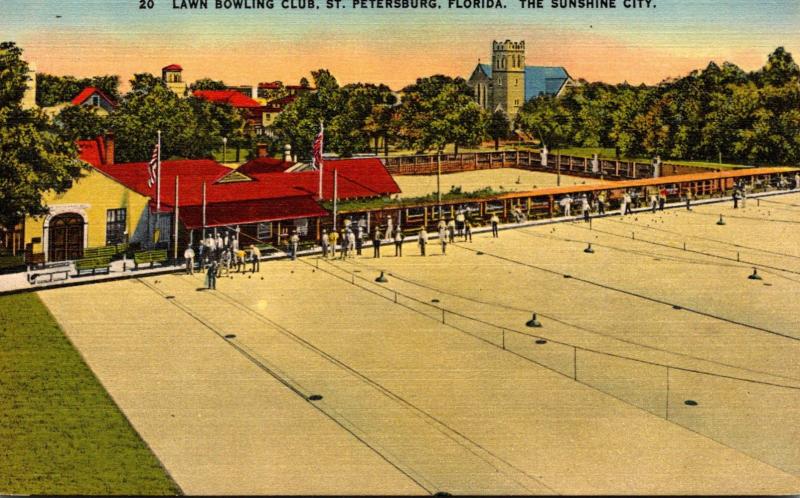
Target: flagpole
{"points": [[158, 176], [321, 164], [175, 239], [335, 195], [158, 188], [204, 210]]}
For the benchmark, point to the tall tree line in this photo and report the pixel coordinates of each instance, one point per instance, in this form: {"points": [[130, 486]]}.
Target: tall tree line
{"points": [[720, 112]]}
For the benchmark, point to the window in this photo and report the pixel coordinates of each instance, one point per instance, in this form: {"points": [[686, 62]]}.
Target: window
{"points": [[95, 100], [264, 231], [494, 206], [415, 214], [115, 226], [301, 225]]}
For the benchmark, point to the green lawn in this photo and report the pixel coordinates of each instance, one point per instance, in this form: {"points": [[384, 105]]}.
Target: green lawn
{"points": [[60, 432], [389, 202], [230, 155], [610, 154]]}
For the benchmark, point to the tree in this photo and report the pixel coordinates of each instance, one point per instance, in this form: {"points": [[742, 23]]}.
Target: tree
{"points": [[348, 113], [34, 158], [52, 89], [437, 111], [144, 83], [149, 107], [548, 120], [299, 123], [380, 123], [80, 122], [350, 128], [780, 68], [213, 122], [207, 84], [498, 127], [13, 75]]}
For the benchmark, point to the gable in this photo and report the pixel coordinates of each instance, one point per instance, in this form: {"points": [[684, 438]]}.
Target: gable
{"points": [[233, 177], [480, 74]]}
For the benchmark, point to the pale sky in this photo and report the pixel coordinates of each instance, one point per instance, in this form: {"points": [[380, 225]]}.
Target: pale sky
{"points": [[394, 47]]}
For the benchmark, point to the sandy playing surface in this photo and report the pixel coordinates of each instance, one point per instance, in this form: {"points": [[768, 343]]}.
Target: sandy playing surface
{"points": [[510, 179], [412, 405]]}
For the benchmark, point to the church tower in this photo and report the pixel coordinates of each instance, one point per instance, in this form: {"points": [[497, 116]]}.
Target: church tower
{"points": [[508, 76]]}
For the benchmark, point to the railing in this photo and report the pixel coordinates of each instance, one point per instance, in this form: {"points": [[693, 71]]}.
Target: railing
{"points": [[543, 203], [578, 166]]}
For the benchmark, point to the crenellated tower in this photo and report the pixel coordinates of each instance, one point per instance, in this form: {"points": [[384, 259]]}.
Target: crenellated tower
{"points": [[508, 76]]}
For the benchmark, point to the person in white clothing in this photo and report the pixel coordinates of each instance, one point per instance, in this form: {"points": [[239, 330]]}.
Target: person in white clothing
{"points": [[351, 242], [389, 230], [188, 255]]}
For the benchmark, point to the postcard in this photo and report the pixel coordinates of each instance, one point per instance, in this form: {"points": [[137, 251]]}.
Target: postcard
{"points": [[399, 247]]}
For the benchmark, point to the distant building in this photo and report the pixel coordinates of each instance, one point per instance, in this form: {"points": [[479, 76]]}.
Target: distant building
{"points": [[252, 109], [507, 83], [276, 97], [29, 98], [94, 97], [172, 76], [269, 90], [246, 90]]}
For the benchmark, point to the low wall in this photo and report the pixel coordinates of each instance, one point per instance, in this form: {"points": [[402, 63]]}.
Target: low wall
{"points": [[571, 165]]}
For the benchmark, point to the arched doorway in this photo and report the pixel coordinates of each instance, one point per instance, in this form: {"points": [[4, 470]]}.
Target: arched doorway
{"points": [[65, 237]]}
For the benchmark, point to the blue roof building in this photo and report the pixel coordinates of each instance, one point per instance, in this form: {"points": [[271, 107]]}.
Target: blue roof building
{"points": [[508, 83]]}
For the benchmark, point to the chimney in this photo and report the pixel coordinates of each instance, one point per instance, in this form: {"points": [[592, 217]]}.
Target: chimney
{"points": [[287, 153], [109, 158], [261, 150]]}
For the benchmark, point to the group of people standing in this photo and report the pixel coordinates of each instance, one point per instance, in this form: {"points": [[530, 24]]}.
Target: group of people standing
{"points": [[592, 202], [218, 254], [350, 239]]}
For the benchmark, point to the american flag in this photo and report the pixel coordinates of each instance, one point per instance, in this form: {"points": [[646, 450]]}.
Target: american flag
{"points": [[317, 147], [152, 167]]}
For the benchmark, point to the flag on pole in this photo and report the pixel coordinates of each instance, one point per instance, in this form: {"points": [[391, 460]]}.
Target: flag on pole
{"points": [[317, 147], [317, 152], [152, 167]]}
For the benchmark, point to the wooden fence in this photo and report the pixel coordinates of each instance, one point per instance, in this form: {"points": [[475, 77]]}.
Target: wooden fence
{"points": [[543, 203], [529, 160]]}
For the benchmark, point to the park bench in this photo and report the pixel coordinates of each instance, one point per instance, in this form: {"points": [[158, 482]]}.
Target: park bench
{"points": [[93, 264], [100, 252], [304, 245], [50, 271], [155, 256]]}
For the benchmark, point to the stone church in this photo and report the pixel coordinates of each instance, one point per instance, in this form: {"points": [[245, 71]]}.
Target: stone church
{"points": [[507, 83]]}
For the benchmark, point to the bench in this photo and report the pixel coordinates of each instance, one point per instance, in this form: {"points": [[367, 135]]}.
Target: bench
{"points": [[99, 263], [50, 271], [306, 244], [100, 252], [155, 256]]}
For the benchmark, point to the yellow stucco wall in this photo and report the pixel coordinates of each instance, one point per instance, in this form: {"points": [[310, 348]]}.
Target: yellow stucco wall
{"points": [[91, 196]]}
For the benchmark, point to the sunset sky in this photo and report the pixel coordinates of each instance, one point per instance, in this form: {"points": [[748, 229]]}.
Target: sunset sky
{"points": [[394, 47]]}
